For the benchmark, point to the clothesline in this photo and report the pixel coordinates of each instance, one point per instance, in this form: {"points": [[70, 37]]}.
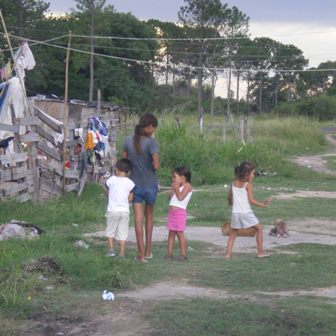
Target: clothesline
{"points": [[163, 64]]}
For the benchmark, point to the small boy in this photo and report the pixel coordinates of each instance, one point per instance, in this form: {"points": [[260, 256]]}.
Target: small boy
{"points": [[120, 193]]}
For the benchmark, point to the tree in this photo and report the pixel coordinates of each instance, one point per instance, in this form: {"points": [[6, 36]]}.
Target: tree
{"points": [[90, 8], [270, 80], [318, 82], [210, 18]]}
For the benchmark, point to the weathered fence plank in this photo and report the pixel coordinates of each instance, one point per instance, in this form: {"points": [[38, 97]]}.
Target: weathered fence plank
{"points": [[53, 123]]}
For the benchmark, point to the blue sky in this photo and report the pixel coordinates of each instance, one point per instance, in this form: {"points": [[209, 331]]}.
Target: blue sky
{"points": [[308, 24], [305, 11]]}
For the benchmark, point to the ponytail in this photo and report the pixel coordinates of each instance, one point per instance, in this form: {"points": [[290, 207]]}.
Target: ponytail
{"points": [[145, 120]]}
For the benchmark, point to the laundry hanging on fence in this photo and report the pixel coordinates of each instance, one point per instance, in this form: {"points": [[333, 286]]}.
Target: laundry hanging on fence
{"points": [[24, 59]]}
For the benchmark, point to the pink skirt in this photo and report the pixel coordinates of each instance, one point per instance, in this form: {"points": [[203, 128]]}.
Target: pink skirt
{"points": [[177, 219]]}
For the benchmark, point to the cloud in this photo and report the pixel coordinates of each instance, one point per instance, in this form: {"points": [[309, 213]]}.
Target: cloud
{"points": [[315, 40]]}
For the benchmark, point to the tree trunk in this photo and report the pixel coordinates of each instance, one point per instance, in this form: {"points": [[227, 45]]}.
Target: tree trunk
{"points": [[228, 110], [276, 92], [213, 85], [200, 109], [92, 51], [260, 93], [237, 94], [173, 84], [167, 63], [248, 95]]}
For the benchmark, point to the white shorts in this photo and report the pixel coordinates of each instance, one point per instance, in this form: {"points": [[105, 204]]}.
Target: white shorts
{"points": [[243, 220], [117, 225]]}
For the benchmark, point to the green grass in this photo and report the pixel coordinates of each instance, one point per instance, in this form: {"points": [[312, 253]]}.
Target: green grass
{"points": [[211, 160], [295, 317], [85, 273], [281, 271], [331, 162], [209, 205]]}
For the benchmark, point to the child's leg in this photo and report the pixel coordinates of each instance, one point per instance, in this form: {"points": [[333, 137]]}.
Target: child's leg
{"points": [[122, 232], [171, 242], [111, 228], [110, 244], [259, 239], [138, 224], [122, 248], [183, 244], [232, 237]]}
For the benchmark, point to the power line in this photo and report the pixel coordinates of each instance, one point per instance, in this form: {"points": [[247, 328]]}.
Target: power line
{"points": [[163, 64], [166, 39], [35, 43]]}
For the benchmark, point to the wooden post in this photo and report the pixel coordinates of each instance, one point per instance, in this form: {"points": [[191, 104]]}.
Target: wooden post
{"points": [[99, 102], [242, 128], [113, 143], [65, 112]]}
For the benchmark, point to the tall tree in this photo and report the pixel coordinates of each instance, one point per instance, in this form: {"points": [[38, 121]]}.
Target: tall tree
{"points": [[211, 18], [91, 7]]}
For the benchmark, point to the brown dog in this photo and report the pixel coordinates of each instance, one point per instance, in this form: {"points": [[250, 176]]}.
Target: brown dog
{"points": [[280, 229]]}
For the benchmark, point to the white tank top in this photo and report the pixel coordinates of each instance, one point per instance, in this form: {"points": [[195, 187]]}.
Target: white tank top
{"points": [[180, 204], [240, 202]]}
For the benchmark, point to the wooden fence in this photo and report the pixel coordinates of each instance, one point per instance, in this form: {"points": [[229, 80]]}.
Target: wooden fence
{"points": [[36, 169]]}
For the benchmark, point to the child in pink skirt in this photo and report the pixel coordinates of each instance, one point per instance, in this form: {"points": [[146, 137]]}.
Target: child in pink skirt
{"points": [[179, 198]]}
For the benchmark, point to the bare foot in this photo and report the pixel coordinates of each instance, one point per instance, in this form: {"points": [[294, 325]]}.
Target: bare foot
{"points": [[264, 255], [228, 257]]}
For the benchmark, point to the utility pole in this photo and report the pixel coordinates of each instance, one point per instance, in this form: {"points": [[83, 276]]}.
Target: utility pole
{"points": [[92, 50]]}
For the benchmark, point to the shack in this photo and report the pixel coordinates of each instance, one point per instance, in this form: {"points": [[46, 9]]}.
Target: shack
{"points": [[34, 166]]}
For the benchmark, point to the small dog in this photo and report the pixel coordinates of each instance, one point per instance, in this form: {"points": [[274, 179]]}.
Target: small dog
{"points": [[280, 229]]}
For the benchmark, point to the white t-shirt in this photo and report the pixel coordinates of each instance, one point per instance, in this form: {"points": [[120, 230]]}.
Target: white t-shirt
{"points": [[119, 190]]}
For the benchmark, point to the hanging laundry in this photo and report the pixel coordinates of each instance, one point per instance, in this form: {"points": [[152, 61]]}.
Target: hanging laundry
{"points": [[89, 145], [24, 59], [6, 72], [96, 124]]}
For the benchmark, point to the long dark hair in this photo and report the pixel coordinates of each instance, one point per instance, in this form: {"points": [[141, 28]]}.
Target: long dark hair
{"points": [[244, 169], [145, 120]]}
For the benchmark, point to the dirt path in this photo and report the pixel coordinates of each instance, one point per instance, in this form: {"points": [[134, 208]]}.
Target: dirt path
{"points": [[306, 194], [118, 318], [214, 236], [169, 290], [318, 162]]}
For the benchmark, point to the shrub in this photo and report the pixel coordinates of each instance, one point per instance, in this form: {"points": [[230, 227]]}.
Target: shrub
{"points": [[322, 107]]}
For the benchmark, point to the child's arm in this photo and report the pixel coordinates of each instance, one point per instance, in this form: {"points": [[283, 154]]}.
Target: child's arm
{"points": [[185, 191], [171, 193], [102, 182], [130, 196], [253, 201], [229, 196]]}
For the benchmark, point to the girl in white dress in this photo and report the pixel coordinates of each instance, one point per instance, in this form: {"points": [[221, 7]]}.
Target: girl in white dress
{"points": [[241, 197]]}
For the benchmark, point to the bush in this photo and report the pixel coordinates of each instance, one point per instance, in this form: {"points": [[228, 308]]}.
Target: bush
{"points": [[212, 161], [322, 107]]}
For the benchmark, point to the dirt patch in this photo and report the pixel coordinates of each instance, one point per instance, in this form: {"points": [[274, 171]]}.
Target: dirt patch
{"points": [[119, 318], [181, 290], [318, 162], [315, 162], [306, 194], [314, 225], [214, 236]]}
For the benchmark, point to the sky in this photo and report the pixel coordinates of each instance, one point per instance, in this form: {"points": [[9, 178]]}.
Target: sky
{"points": [[308, 24]]}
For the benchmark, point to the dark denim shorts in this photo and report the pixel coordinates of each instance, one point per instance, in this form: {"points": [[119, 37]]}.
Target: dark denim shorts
{"points": [[145, 194]]}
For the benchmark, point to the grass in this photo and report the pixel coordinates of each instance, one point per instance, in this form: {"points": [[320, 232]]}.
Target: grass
{"points": [[85, 273], [211, 160], [209, 205], [331, 162], [298, 316]]}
